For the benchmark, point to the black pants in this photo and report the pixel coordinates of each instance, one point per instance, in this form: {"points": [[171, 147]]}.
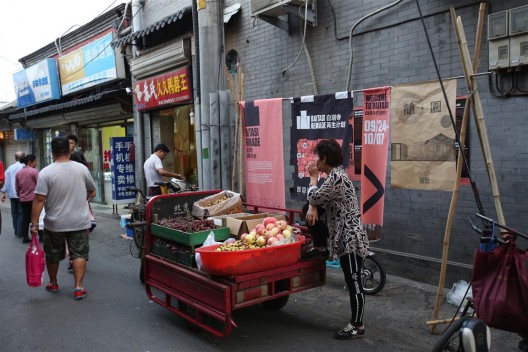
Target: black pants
{"points": [[26, 218], [351, 266], [319, 231], [154, 191]]}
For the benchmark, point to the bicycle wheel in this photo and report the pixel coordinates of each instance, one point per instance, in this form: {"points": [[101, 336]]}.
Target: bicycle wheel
{"points": [[373, 276], [450, 339], [137, 244]]}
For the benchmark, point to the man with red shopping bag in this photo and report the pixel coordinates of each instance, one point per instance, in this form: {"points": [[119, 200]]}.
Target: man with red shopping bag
{"points": [[63, 189]]}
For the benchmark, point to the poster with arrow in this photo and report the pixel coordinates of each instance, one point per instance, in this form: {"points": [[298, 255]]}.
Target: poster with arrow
{"points": [[376, 123]]}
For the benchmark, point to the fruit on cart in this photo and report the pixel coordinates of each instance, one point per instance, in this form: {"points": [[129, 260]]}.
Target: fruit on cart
{"points": [[187, 224], [286, 233], [261, 241], [216, 201], [268, 220]]}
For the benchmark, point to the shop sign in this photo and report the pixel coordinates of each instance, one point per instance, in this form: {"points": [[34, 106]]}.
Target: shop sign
{"points": [[37, 83], [22, 134], [167, 89], [91, 65], [123, 170]]}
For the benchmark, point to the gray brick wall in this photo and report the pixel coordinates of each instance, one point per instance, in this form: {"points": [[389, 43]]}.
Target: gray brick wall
{"points": [[155, 10], [390, 49]]}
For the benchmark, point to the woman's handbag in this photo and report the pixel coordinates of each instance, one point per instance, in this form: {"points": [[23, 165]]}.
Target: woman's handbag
{"points": [[500, 287], [35, 263]]}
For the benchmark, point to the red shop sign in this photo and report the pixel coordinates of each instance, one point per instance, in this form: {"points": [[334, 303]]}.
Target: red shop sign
{"points": [[167, 89]]}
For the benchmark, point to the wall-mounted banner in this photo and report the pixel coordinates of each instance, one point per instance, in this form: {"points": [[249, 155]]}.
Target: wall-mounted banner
{"points": [[314, 118], [37, 83], [167, 89], [422, 136], [375, 149], [24, 134], [123, 172], [263, 152], [91, 65]]}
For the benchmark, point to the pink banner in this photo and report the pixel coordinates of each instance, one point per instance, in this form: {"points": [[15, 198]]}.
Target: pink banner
{"points": [[263, 152], [376, 123]]}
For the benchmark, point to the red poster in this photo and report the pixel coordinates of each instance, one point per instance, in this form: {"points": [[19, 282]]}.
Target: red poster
{"points": [[263, 152], [167, 89], [376, 123]]}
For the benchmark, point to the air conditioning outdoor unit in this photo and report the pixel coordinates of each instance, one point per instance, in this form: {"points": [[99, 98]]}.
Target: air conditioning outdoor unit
{"points": [[518, 30], [271, 10], [499, 42]]}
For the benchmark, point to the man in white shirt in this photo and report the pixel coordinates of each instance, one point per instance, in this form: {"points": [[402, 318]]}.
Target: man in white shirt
{"points": [[9, 190], [154, 171]]}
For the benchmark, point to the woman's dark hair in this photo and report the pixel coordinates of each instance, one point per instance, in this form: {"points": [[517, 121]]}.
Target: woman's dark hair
{"points": [[60, 146], [73, 138], [28, 159], [329, 151]]}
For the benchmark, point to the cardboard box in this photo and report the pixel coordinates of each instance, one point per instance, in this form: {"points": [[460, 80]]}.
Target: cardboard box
{"points": [[221, 220], [239, 225]]}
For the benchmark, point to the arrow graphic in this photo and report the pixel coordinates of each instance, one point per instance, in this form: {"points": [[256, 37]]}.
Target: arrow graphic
{"points": [[380, 190]]}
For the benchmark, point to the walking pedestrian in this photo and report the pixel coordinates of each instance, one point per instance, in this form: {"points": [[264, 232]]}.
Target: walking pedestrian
{"points": [[154, 171], [347, 238], [63, 188], [9, 190], [75, 154], [2, 181], [25, 183]]}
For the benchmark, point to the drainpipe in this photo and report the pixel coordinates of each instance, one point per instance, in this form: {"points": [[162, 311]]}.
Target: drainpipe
{"points": [[197, 93], [139, 131]]}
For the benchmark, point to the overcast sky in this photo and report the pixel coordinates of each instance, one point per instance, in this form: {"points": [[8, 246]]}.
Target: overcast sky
{"points": [[27, 25]]}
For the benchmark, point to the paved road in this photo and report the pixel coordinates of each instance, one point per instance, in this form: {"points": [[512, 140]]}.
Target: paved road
{"points": [[117, 316]]}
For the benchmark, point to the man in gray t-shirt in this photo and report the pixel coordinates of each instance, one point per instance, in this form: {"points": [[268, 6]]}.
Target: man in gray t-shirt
{"points": [[63, 188]]}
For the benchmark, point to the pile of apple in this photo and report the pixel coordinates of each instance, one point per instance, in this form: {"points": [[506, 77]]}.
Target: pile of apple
{"points": [[267, 233], [271, 232]]}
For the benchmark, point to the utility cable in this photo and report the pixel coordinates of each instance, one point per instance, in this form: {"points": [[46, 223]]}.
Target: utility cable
{"points": [[303, 37], [457, 137]]}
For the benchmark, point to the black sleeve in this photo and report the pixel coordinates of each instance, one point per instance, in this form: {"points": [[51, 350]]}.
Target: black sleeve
{"points": [[78, 157]]}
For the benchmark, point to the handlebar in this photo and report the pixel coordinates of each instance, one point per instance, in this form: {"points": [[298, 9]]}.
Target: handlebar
{"points": [[492, 222]]}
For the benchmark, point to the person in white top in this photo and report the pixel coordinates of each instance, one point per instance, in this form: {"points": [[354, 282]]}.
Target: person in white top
{"points": [[154, 170]]}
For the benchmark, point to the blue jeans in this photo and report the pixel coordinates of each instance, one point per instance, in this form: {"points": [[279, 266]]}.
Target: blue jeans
{"points": [[16, 214]]}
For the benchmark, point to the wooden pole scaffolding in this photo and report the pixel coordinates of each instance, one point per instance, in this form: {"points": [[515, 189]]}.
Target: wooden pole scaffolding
{"points": [[239, 127], [456, 187]]}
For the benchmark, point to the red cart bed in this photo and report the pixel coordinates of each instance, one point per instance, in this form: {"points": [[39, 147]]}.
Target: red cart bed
{"points": [[209, 302]]}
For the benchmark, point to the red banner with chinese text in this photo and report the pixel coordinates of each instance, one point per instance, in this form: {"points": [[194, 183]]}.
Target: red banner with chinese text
{"points": [[167, 89], [376, 123]]}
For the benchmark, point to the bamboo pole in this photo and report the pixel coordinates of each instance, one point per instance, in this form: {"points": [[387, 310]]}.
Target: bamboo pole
{"points": [[478, 115], [456, 187]]}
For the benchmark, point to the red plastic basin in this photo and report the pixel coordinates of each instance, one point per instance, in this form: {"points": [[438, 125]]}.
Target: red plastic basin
{"points": [[250, 260]]}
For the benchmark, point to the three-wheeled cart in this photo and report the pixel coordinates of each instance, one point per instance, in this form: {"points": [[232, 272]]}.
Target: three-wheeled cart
{"points": [[207, 301]]}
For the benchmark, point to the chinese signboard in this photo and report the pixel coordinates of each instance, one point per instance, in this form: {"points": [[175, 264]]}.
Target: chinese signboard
{"points": [[37, 83], [91, 65], [23, 134], [123, 172], [314, 118], [166, 89]]}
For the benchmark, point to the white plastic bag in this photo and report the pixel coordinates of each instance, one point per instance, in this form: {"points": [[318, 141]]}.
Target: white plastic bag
{"points": [[209, 241], [458, 293]]}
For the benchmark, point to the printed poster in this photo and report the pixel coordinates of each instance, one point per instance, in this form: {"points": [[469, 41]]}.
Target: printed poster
{"points": [[422, 136], [315, 118], [263, 152], [375, 149]]}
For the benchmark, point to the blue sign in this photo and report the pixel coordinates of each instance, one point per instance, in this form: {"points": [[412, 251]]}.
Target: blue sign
{"points": [[37, 83], [23, 134], [123, 171]]}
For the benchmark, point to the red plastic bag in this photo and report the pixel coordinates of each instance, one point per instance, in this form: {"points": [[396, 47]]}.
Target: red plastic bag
{"points": [[500, 287], [35, 263]]}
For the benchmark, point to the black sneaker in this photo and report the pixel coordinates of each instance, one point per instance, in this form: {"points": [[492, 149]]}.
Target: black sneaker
{"points": [[350, 332], [315, 253]]}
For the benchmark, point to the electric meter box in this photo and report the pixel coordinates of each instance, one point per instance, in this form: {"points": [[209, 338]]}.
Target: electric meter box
{"points": [[499, 43], [518, 30]]}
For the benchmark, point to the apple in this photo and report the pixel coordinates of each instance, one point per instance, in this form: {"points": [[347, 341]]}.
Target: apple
{"points": [[243, 237], [261, 241], [250, 239], [289, 228], [259, 226], [253, 232], [268, 235], [272, 240], [270, 226], [274, 231], [283, 225], [269, 220], [279, 236], [286, 233], [261, 231]]}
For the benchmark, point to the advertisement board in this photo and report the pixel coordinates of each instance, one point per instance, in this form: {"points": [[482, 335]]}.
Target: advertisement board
{"points": [[37, 83]]}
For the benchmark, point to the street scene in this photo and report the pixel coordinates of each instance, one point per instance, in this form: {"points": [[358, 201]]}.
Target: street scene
{"points": [[224, 175], [118, 316]]}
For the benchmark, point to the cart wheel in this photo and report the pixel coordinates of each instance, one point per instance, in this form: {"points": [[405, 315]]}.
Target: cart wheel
{"points": [[277, 303]]}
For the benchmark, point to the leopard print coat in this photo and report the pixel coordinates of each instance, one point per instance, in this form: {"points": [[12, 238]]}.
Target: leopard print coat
{"points": [[342, 216]]}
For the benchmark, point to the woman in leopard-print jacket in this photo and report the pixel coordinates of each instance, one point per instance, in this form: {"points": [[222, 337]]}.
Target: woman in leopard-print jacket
{"points": [[347, 238]]}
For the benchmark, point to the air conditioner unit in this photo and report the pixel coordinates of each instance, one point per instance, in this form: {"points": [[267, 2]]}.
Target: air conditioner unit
{"points": [[499, 43], [271, 10], [518, 30]]}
